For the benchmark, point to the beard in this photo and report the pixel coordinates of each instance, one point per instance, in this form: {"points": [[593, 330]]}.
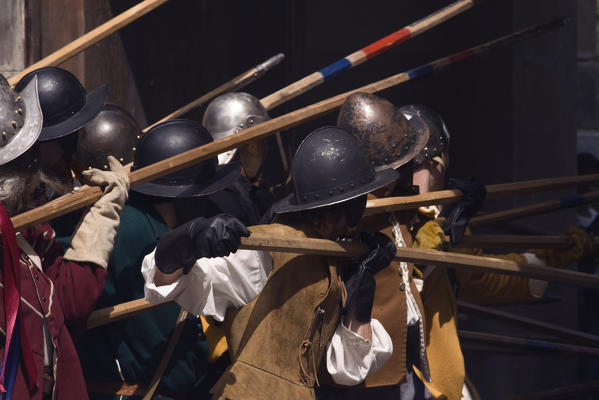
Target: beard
{"points": [[23, 190]]}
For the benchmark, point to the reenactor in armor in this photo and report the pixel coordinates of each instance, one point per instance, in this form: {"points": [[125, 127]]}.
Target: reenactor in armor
{"points": [[260, 187], [112, 132], [126, 354], [66, 108], [441, 286], [311, 313], [45, 289]]}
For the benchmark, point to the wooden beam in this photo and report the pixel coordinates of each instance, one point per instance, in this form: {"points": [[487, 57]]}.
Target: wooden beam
{"points": [[93, 36]]}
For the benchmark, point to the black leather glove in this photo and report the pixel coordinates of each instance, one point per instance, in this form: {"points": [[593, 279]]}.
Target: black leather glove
{"points": [[458, 215], [217, 236], [360, 284]]}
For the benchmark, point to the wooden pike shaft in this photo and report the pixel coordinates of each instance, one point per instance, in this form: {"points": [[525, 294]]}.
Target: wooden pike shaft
{"points": [[115, 313], [528, 323], [88, 195], [168, 353], [399, 203], [95, 35], [351, 249], [534, 209], [515, 242], [418, 256], [530, 344], [576, 391], [236, 83], [372, 50]]}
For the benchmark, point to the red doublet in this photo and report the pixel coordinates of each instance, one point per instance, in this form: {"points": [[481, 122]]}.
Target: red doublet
{"points": [[64, 293]]}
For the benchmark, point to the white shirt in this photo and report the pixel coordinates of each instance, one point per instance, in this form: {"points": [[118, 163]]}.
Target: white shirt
{"points": [[215, 284]]}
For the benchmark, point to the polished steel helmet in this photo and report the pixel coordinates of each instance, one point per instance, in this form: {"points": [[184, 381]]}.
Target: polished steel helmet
{"points": [[438, 140], [330, 167], [113, 132], [20, 119], [230, 113], [389, 139]]}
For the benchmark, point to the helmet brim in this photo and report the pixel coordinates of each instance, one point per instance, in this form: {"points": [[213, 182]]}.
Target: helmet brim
{"points": [[32, 125], [290, 204], [94, 102], [224, 177]]}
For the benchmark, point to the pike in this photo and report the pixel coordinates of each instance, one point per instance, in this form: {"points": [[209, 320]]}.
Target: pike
{"points": [[389, 204], [331, 248], [535, 209], [358, 57], [90, 38], [527, 344], [87, 195], [236, 83], [528, 323], [569, 392], [515, 242], [366, 53]]}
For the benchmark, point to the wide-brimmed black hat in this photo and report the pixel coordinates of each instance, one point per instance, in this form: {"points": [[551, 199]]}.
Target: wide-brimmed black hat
{"points": [[330, 167], [66, 105], [175, 137]]}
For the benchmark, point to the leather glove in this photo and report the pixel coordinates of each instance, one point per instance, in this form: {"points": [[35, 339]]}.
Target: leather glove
{"points": [[360, 285], [458, 215], [94, 235], [217, 236], [583, 244]]}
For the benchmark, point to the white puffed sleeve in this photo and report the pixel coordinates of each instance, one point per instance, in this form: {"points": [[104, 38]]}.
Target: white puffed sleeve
{"points": [[213, 284], [351, 358], [537, 287]]}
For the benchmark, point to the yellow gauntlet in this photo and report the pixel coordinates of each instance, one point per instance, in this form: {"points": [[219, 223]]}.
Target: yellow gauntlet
{"points": [[430, 236], [583, 244]]}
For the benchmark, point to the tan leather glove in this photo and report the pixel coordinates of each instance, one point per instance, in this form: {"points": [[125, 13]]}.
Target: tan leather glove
{"points": [[584, 243], [94, 235], [430, 236]]}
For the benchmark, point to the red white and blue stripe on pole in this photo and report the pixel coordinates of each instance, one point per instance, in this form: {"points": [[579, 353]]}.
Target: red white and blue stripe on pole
{"points": [[366, 53]]}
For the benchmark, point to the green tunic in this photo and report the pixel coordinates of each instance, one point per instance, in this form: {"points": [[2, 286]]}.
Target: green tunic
{"points": [[139, 342]]}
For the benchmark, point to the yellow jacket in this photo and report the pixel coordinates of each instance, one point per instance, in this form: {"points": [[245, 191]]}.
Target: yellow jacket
{"points": [[446, 362]]}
